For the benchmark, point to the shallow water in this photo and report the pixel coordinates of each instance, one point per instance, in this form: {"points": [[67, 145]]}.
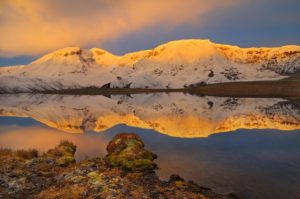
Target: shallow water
{"points": [[246, 146]]}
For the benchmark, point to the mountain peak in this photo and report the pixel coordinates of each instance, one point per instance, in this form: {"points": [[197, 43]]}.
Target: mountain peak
{"points": [[188, 50], [188, 42], [67, 53], [175, 64]]}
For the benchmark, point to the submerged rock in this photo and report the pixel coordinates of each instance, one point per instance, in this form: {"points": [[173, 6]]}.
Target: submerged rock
{"points": [[126, 150]]}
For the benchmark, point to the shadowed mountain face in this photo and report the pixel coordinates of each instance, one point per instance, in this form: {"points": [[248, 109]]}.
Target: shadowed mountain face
{"points": [[173, 114]]}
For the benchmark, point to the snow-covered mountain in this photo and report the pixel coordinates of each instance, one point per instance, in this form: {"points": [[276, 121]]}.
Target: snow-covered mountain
{"points": [[171, 65], [172, 114]]}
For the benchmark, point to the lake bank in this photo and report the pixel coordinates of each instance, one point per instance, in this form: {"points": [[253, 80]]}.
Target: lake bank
{"points": [[285, 88], [126, 172]]}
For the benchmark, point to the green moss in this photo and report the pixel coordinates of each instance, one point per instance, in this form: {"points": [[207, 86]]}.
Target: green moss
{"points": [[66, 147], [181, 184], [93, 174], [118, 141], [140, 165], [63, 154], [96, 180], [65, 160], [127, 151]]}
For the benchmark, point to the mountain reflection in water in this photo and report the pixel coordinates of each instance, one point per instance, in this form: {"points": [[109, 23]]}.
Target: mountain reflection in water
{"points": [[260, 161], [175, 114]]}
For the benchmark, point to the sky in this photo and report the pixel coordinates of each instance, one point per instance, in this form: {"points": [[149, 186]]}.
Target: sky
{"points": [[32, 28]]}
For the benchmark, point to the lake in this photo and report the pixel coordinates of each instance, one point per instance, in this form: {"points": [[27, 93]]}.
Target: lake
{"points": [[249, 146]]}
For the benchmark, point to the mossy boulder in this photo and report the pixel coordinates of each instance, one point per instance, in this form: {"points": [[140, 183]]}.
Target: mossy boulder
{"points": [[63, 154], [126, 150]]}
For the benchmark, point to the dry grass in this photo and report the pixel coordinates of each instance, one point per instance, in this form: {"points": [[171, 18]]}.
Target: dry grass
{"points": [[5, 152], [27, 154], [24, 154]]}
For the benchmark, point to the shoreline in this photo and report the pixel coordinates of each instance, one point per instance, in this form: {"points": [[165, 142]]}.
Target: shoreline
{"points": [[285, 88], [127, 171]]}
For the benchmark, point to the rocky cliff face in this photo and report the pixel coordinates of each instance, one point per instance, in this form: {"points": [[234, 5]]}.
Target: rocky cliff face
{"points": [[172, 65]]}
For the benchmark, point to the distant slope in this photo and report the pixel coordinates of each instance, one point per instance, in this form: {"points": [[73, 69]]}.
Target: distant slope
{"points": [[284, 88], [176, 64]]}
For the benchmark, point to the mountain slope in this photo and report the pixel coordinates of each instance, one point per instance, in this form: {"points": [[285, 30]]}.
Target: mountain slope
{"points": [[172, 65]]}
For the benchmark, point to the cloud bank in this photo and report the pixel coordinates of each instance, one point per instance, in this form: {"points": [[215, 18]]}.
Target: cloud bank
{"points": [[35, 27]]}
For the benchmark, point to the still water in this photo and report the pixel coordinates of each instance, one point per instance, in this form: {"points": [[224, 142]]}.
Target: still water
{"points": [[247, 146]]}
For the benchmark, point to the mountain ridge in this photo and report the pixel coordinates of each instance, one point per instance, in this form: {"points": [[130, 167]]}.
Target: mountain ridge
{"points": [[175, 64]]}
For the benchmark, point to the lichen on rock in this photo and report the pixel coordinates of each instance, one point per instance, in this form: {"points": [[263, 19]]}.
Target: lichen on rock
{"points": [[127, 151], [63, 154]]}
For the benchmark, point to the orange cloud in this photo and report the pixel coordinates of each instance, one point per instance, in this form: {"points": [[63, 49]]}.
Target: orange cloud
{"points": [[37, 26]]}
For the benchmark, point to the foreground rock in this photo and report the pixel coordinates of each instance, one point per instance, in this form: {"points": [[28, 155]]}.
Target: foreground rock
{"points": [[126, 172], [127, 151]]}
